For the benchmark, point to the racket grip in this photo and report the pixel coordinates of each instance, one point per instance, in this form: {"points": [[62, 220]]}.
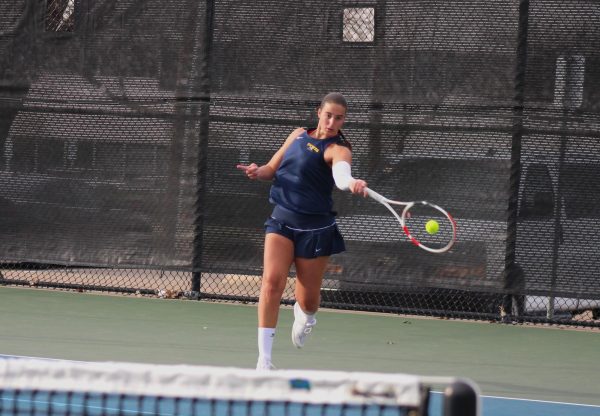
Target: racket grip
{"points": [[377, 197]]}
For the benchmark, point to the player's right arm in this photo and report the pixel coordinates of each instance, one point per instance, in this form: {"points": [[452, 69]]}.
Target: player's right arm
{"points": [[340, 158], [267, 172]]}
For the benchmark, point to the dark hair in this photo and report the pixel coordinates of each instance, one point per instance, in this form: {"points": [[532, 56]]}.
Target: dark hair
{"points": [[344, 142], [335, 98]]}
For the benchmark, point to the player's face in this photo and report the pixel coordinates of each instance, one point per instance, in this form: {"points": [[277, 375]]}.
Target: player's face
{"points": [[331, 118]]}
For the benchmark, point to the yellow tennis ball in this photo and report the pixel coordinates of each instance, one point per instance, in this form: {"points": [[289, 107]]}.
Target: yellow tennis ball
{"points": [[432, 226]]}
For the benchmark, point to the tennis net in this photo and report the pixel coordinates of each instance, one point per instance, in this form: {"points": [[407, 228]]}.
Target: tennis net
{"points": [[54, 387]]}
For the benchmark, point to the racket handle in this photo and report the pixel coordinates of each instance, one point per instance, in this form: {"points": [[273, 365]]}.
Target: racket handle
{"points": [[377, 197]]}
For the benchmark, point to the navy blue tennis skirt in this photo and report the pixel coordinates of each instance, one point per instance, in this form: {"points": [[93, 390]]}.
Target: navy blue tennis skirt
{"points": [[312, 238]]}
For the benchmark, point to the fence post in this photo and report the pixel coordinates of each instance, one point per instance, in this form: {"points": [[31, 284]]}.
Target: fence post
{"points": [[204, 77], [517, 135]]}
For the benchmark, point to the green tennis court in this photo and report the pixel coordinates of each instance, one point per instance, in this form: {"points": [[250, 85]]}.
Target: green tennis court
{"points": [[515, 362]]}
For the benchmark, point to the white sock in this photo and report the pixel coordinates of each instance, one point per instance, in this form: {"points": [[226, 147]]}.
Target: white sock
{"points": [[308, 317], [265, 342]]}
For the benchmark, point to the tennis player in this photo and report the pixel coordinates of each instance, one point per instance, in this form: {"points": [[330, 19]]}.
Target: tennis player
{"points": [[302, 229]]}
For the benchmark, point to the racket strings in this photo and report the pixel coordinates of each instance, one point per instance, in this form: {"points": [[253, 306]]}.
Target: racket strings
{"points": [[439, 232]]}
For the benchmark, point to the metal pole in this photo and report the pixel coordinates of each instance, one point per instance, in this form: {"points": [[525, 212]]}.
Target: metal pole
{"points": [[205, 50], [515, 170]]}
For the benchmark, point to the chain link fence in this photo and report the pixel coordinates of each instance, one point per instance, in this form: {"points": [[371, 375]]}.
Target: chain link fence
{"points": [[122, 123]]}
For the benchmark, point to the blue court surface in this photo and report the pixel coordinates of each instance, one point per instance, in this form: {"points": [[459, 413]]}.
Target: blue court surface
{"points": [[506, 406]]}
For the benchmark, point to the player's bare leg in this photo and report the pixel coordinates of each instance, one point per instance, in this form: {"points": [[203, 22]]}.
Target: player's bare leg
{"points": [[278, 257], [309, 276]]}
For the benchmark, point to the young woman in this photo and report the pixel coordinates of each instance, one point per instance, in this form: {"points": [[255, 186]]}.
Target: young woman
{"points": [[302, 228]]}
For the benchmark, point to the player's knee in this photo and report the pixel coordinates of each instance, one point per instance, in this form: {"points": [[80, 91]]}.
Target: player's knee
{"points": [[273, 284]]}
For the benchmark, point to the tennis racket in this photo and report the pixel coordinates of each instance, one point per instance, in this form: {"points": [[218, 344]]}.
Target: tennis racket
{"points": [[414, 221]]}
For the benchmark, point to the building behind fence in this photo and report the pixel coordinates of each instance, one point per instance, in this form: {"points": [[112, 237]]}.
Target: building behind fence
{"points": [[122, 121]]}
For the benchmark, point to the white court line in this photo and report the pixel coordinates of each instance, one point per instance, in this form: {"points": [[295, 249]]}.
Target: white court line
{"points": [[26, 357], [532, 400], [542, 401]]}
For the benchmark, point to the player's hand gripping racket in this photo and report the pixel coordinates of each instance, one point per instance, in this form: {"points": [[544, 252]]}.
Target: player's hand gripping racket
{"points": [[426, 225]]}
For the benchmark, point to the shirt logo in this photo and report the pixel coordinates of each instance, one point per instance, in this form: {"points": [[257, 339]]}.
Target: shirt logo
{"points": [[312, 147]]}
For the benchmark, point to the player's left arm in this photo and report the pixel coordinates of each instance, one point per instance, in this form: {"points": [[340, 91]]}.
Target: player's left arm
{"points": [[340, 159], [267, 171]]}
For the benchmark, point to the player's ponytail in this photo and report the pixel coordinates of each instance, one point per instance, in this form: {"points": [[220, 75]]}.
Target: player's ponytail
{"points": [[344, 142]]}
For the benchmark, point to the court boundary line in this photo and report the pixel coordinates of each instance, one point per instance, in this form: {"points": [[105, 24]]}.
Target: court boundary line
{"points": [[483, 396], [26, 357], [543, 401]]}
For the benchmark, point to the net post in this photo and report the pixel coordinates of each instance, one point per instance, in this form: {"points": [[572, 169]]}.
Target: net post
{"points": [[461, 399]]}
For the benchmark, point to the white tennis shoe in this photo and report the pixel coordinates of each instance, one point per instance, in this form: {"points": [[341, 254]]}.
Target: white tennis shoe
{"points": [[264, 364], [302, 328]]}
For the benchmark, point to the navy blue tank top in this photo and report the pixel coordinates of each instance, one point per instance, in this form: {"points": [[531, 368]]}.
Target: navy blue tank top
{"points": [[303, 182]]}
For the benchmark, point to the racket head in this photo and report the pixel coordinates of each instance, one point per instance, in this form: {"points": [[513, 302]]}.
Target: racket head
{"points": [[414, 219]]}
